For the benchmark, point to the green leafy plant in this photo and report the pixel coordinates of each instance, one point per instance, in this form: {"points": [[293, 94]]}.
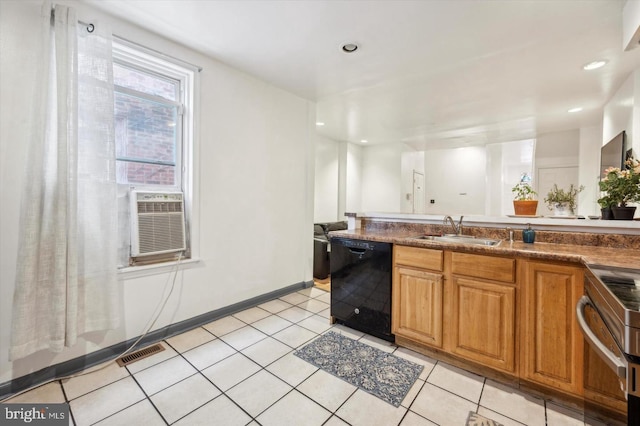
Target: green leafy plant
{"points": [[560, 196], [621, 186], [523, 192], [606, 202]]}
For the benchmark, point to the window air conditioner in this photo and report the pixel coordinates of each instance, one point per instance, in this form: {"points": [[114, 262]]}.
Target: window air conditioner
{"points": [[157, 223]]}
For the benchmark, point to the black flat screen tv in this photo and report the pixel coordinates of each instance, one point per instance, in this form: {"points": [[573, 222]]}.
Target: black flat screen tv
{"points": [[612, 153]]}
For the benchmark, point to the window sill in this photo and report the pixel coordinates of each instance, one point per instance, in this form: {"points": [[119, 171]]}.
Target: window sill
{"points": [[160, 268]]}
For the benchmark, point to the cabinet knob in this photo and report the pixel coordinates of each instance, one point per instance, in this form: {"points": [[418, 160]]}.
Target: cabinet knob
{"points": [[356, 310]]}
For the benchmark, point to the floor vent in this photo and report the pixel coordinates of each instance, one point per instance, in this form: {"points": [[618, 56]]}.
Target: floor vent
{"points": [[138, 355]]}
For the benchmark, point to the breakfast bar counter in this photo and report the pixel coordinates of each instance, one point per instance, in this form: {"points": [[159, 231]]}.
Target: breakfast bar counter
{"points": [[585, 254]]}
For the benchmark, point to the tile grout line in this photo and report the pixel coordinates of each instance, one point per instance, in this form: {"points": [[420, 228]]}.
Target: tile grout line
{"points": [[293, 349], [217, 387], [96, 389], [66, 399], [267, 371], [147, 398], [242, 381], [261, 367]]}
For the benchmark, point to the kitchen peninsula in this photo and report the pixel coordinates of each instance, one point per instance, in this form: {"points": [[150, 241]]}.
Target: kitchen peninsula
{"points": [[505, 311]]}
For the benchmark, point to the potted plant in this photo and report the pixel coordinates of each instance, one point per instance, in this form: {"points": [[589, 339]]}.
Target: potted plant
{"points": [[606, 203], [562, 202], [622, 187], [524, 203]]}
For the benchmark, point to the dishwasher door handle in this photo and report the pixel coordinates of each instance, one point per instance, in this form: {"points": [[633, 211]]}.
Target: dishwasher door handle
{"points": [[359, 252], [603, 352]]}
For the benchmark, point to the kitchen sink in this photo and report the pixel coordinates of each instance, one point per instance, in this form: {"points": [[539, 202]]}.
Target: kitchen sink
{"points": [[461, 239]]}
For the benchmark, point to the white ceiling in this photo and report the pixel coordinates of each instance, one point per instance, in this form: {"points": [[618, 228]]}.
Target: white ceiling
{"points": [[432, 72]]}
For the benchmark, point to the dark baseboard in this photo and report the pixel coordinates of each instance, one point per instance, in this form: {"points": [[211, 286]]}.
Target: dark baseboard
{"points": [[76, 365]]}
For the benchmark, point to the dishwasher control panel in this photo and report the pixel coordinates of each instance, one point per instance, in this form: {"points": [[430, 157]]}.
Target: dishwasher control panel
{"points": [[360, 244]]}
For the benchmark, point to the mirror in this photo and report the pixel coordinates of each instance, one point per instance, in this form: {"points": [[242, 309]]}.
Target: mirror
{"points": [[473, 180]]}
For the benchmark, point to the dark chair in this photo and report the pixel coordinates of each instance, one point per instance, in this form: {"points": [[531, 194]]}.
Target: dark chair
{"points": [[320, 252], [322, 247]]}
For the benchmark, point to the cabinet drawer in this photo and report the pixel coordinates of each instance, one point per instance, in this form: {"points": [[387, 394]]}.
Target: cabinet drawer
{"points": [[488, 267], [418, 257]]}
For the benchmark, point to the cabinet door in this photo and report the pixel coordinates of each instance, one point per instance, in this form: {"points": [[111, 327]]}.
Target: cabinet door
{"points": [[552, 349], [417, 305], [483, 326]]}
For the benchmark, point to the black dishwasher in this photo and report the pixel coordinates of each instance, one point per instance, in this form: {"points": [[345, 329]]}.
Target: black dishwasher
{"points": [[361, 285]]}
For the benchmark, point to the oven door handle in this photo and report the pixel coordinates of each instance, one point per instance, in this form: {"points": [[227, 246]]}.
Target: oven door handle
{"points": [[607, 356]]}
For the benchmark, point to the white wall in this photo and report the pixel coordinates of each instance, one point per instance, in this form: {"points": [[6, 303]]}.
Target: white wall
{"points": [[410, 161], [326, 190], [456, 180], [254, 182], [556, 162], [620, 111], [557, 149], [351, 178], [381, 178], [589, 172], [504, 166]]}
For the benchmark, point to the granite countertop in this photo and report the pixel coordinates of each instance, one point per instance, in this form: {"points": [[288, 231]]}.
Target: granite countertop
{"points": [[587, 255]]}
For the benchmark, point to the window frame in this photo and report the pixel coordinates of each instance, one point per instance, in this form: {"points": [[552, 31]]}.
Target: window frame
{"points": [[149, 61], [147, 64]]}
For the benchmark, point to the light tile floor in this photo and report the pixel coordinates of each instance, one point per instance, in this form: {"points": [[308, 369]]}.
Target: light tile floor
{"points": [[240, 370]]}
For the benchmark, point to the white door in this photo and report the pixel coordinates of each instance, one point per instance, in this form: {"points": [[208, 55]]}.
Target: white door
{"points": [[547, 176], [418, 193]]}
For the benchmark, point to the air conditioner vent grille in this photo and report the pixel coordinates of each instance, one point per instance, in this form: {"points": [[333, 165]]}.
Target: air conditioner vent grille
{"points": [[160, 207], [157, 223]]}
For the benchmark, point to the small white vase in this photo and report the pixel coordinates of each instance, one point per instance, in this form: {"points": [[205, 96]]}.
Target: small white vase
{"points": [[562, 209]]}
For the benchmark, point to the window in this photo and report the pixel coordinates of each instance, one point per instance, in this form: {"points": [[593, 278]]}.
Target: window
{"points": [[153, 105], [151, 98], [148, 117]]}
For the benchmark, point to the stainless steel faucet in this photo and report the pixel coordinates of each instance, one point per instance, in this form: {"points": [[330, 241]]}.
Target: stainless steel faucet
{"points": [[510, 231], [456, 228]]}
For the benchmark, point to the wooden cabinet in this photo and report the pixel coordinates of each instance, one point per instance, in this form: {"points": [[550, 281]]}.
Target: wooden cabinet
{"points": [[419, 258], [514, 317], [417, 295], [493, 268], [483, 311], [417, 310], [552, 344]]}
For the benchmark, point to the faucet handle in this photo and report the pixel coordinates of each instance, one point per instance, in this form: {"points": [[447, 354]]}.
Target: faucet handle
{"points": [[510, 231]]}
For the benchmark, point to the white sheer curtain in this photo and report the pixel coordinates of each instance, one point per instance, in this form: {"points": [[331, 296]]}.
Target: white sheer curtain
{"points": [[66, 278]]}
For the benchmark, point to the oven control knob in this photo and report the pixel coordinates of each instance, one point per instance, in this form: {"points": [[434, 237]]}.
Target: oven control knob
{"points": [[357, 311]]}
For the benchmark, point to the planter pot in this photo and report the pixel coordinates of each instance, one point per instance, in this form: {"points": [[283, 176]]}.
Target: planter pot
{"points": [[562, 209], [607, 213], [525, 207], [623, 213]]}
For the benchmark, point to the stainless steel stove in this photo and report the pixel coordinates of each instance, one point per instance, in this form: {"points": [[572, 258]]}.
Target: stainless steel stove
{"points": [[614, 293]]}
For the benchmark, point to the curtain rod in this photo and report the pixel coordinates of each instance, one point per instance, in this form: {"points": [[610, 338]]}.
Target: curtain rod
{"points": [[89, 25]]}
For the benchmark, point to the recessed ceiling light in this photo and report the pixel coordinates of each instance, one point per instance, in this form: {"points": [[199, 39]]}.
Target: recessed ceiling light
{"points": [[349, 47], [594, 65], [577, 109], [363, 141], [319, 123]]}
